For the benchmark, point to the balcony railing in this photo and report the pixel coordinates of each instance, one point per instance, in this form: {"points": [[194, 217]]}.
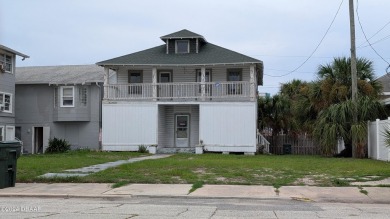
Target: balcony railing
{"points": [[179, 91]]}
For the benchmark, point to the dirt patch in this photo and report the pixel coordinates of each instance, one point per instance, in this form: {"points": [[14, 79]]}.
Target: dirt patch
{"points": [[222, 179], [383, 182], [308, 181], [177, 179], [200, 171]]}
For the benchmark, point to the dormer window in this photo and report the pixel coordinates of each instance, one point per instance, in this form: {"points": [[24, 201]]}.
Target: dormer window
{"points": [[182, 46]]}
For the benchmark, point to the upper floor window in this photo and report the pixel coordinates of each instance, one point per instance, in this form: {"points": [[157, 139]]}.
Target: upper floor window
{"points": [[135, 78], [67, 96], [234, 75], [182, 46], [6, 102], [6, 61]]}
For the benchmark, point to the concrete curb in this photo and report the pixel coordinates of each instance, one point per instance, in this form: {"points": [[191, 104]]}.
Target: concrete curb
{"points": [[376, 195]]}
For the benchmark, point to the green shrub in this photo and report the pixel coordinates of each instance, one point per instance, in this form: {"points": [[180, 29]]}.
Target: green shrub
{"points": [[143, 149], [57, 146]]}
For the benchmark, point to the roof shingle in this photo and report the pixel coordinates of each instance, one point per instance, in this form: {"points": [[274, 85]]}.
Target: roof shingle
{"points": [[208, 54], [67, 74]]}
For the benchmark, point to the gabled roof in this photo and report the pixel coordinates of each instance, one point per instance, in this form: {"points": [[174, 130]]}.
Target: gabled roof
{"points": [[182, 34], [66, 74], [208, 54], [13, 51], [385, 81]]}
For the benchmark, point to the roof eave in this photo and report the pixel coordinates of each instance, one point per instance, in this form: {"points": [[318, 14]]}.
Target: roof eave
{"points": [[190, 37], [13, 51], [162, 64]]}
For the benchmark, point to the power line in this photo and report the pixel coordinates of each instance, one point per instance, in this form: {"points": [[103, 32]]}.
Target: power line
{"points": [[361, 45], [365, 36], [378, 41], [293, 56], [319, 44], [304, 72]]}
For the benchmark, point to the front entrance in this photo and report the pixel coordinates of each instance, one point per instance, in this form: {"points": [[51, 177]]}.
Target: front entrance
{"points": [[182, 134], [40, 141]]}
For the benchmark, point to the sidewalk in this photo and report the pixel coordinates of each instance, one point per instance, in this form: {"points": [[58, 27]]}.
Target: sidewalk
{"points": [[300, 193]]}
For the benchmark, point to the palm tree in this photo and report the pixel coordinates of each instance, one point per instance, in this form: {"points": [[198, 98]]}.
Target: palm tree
{"points": [[273, 112], [336, 121], [331, 97], [335, 80]]}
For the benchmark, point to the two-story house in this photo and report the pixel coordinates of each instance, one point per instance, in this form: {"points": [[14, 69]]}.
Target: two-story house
{"points": [[7, 92], [184, 95], [59, 101]]}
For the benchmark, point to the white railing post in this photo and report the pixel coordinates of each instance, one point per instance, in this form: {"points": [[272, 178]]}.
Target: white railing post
{"points": [[154, 83]]}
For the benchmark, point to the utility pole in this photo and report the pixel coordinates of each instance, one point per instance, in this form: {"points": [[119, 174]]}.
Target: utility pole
{"points": [[353, 73]]}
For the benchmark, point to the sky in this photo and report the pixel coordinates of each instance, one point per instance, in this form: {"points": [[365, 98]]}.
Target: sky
{"points": [[284, 34]]}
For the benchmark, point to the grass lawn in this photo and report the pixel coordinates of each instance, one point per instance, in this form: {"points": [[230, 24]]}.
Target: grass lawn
{"points": [[29, 167], [211, 169]]}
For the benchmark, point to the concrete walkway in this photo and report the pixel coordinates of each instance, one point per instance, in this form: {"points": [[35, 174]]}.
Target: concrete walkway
{"points": [[104, 190], [84, 171]]}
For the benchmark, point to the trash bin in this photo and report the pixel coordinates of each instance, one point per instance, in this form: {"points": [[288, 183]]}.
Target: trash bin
{"points": [[287, 149], [9, 153]]}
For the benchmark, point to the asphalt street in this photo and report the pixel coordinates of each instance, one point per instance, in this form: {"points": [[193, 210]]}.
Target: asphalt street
{"points": [[159, 207]]}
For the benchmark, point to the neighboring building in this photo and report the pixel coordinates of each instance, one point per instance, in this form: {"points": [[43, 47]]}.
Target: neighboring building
{"points": [[185, 94], [59, 101], [7, 92], [385, 82]]}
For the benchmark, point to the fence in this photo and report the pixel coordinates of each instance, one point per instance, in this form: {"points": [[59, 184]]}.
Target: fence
{"points": [[302, 144], [376, 141]]}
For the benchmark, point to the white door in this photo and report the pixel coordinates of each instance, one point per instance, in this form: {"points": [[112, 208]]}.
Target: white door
{"points": [[46, 137], [10, 133], [182, 134], [165, 90]]}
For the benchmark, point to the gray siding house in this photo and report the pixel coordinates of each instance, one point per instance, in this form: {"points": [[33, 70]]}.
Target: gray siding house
{"points": [[187, 95], [7, 92], [59, 101]]}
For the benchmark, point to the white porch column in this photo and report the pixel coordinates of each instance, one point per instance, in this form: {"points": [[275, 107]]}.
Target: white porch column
{"points": [[252, 83], [154, 83], [106, 82], [202, 82]]}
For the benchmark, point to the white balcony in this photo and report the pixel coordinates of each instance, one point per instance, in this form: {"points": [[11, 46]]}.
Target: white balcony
{"points": [[189, 91]]}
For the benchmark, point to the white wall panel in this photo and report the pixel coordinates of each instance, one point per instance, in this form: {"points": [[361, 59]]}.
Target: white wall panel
{"points": [[129, 124], [228, 124]]}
